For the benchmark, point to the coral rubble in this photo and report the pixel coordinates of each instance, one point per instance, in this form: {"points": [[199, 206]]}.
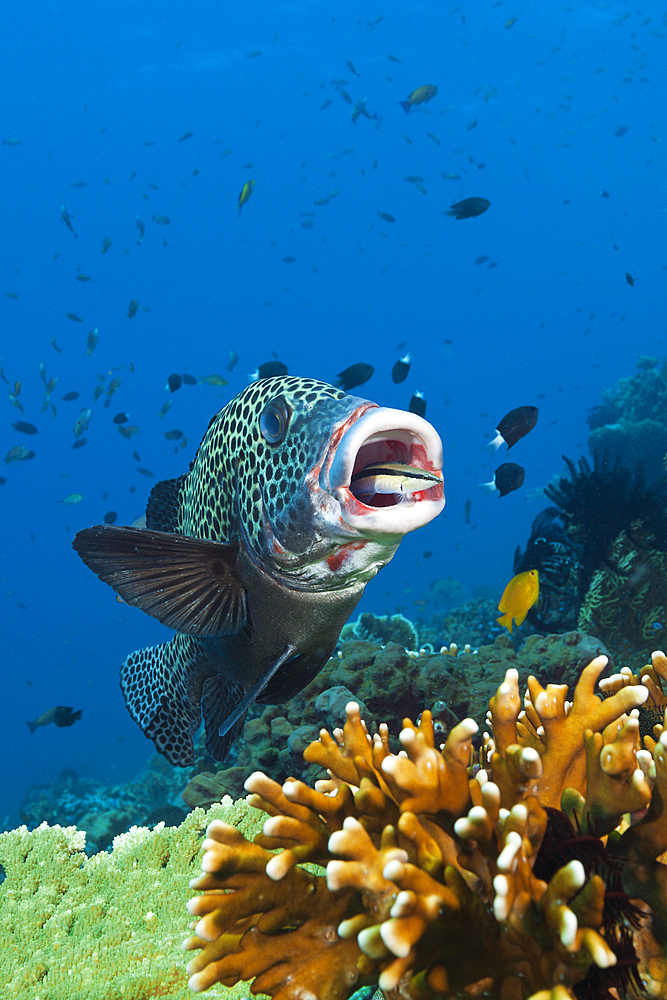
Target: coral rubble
{"points": [[422, 859]]}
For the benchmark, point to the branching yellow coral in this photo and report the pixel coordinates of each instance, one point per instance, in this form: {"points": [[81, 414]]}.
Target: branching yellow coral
{"points": [[421, 858]]}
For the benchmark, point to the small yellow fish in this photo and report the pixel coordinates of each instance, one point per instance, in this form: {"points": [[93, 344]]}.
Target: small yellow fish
{"points": [[246, 191], [213, 380], [519, 596]]}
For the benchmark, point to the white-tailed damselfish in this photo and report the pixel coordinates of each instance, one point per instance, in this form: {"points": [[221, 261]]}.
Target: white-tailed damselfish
{"points": [[260, 552]]}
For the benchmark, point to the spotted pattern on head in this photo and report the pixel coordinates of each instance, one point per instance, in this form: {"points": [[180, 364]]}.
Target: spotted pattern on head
{"points": [[238, 475]]}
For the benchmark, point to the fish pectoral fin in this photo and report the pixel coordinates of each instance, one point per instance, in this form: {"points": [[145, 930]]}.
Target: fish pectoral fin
{"points": [[188, 584]]}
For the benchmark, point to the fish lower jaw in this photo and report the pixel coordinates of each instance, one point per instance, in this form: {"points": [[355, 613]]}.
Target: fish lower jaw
{"points": [[390, 514]]}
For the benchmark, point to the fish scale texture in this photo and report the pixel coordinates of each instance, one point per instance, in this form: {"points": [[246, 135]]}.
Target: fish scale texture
{"points": [[235, 469]]}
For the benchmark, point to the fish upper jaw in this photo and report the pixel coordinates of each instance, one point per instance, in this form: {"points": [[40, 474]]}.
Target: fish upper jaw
{"points": [[379, 434]]}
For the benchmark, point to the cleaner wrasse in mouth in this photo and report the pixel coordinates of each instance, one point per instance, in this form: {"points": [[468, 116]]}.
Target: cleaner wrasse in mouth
{"points": [[258, 554], [392, 478]]}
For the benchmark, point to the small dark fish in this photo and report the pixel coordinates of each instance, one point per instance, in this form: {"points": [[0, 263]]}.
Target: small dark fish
{"points": [[288, 260], [79, 184], [419, 96], [106, 244], [173, 435], [67, 219], [162, 220], [269, 369], [136, 456], [133, 309], [399, 372], [60, 715], [24, 427], [353, 376], [418, 404], [74, 318], [348, 63], [326, 104], [174, 382], [121, 418], [620, 131], [11, 295], [386, 216], [186, 135], [468, 208], [79, 443], [189, 379], [83, 277], [467, 507], [508, 477], [110, 517], [146, 472], [260, 586], [514, 425], [630, 280], [481, 260], [142, 230]]}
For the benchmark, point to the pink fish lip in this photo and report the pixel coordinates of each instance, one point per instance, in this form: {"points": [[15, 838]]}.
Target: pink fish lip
{"points": [[378, 434]]}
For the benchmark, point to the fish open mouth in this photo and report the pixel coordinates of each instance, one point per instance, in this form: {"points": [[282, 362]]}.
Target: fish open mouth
{"points": [[382, 437]]}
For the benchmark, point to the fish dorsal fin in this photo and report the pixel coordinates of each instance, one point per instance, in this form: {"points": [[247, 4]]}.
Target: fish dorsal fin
{"points": [[163, 507], [188, 584]]}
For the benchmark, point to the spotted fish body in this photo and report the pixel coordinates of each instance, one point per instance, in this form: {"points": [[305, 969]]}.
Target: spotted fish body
{"points": [[259, 553]]}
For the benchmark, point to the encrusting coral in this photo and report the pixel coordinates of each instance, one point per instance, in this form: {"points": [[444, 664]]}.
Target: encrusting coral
{"points": [[107, 927], [444, 880]]}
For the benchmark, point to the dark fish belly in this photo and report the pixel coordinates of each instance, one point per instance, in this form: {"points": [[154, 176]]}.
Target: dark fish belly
{"points": [[280, 617]]}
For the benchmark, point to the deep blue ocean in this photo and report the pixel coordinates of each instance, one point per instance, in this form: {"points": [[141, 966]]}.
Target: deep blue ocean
{"points": [[553, 112]]}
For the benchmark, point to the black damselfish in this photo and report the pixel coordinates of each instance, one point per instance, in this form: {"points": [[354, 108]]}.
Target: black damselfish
{"points": [[258, 554], [514, 425]]}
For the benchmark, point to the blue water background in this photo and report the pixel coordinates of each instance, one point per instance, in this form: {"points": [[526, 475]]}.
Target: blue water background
{"points": [[87, 86]]}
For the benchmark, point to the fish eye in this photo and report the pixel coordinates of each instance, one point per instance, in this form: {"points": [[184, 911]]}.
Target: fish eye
{"points": [[274, 420]]}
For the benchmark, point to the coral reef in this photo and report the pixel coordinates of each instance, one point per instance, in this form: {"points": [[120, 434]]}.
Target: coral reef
{"points": [[631, 424], [390, 683], [599, 503], [387, 628], [422, 858], [550, 551], [107, 927], [626, 603], [103, 812]]}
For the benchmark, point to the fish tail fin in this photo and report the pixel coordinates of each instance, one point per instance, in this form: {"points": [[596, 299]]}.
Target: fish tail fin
{"points": [[406, 107], [506, 620], [32, 726], [163, 686]]}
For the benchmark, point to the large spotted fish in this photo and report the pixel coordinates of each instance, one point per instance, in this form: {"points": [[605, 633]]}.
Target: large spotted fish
{"points": [[258, 554]]}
